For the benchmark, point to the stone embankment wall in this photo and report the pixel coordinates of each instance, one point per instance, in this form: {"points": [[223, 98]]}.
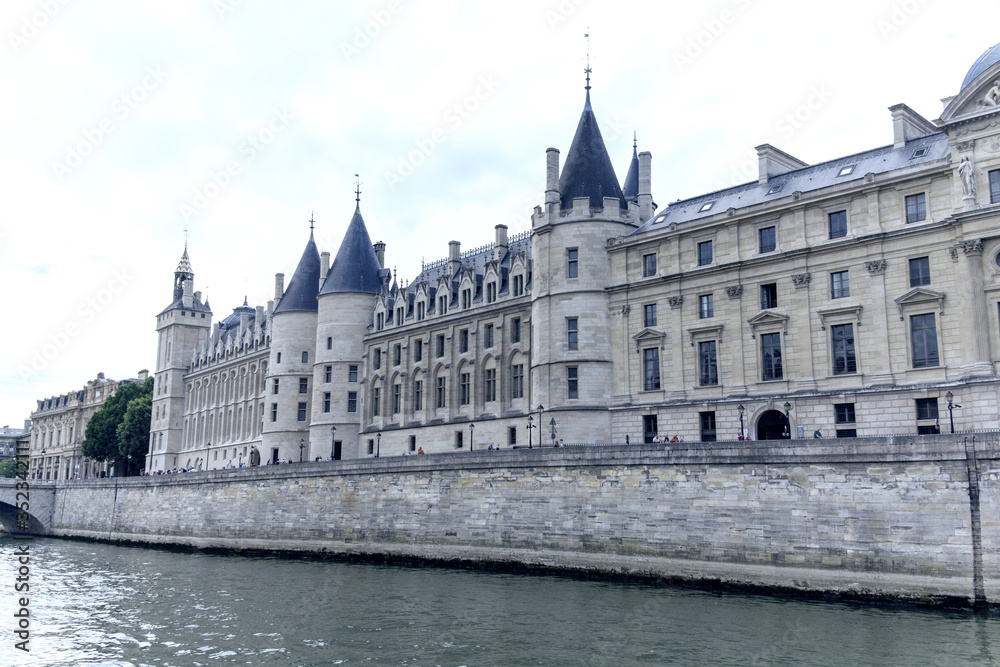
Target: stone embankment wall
{"points": [[885, 518]]}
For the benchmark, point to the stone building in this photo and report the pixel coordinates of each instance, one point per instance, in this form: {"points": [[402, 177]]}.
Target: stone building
{"points": [[858, 296], [59, 425], [10, 437]]}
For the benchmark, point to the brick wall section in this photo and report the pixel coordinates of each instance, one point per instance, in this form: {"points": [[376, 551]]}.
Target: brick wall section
{"points": [[887, 517]]}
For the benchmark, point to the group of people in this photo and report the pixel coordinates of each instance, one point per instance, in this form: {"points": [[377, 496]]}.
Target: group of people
{"points": [[657, 440]]}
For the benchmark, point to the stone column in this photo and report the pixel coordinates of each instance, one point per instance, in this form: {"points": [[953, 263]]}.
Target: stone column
{"points": [[977, 343], [873, 329]]}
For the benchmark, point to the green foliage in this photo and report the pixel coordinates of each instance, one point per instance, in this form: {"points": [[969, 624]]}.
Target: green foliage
{"points": [[133, 433], [101, 441], [8, 467]]}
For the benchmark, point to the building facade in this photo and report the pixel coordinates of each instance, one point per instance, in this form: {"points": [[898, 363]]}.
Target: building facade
{"points": [[859, 296]]}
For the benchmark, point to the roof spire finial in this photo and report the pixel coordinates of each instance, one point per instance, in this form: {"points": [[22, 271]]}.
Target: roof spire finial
{"points": [[587, 69], [357, 189], [635, 140], [312, 220]]}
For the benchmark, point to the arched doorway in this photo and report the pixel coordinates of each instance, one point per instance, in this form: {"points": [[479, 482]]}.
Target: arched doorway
{"points": [[773, 425]]}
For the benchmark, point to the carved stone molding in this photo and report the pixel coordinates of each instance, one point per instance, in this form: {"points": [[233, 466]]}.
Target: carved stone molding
{"points": [[734, 291], [953, 251], [801, 279], [972, 247], [876, 266], [675, 301], [626, 309], [965, 145]]}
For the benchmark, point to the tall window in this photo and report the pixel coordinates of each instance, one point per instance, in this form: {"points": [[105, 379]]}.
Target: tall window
{"points": [[840, 285], [768, 296], [927, 412], [488, 336], [439, 393], [396, 398], [376, 401], [440, 345], [838, 224], [650, 369], [418, 350], [571, 333], [466, 298], [649, 265], [707, 422], [707, 364], [326, 401], [418, 395], [648, 428], [995, 186], [704, 253], [352, 401], [843, 349], [443, 305], [517, 381], [305, 357], [421, 310], [302, 412], [923, 335], [572, 258], [770, 356], [518, 285], [463, 340], [274, 386], [767, 239], [352, 373], [916, 208], [572, 382], [328, 374], [377, 358], [489, 385], [465, 387], [844, 417], [515, 330], [397, 354], [491, 292], [274, 412], [649, 315], [706, 306], [920, 271], [329, 342]]}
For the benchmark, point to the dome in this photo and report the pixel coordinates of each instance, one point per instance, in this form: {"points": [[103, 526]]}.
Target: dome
{"points": [[983, 63]]}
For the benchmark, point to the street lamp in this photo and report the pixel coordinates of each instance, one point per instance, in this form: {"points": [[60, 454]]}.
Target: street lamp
{"points": [[552, 433], [741, 409], [302, 446], [951, 416], [788, 407], [472, 433], [128, 468], [378, 451], [540, 408], [333, 441], [530, 426]]}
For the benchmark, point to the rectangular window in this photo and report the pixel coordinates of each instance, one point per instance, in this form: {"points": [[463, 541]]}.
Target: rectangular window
{"points": [[352, 401], [302, 412], [844, 361], [279, 361], [768, 296], [463, 340], [305, 357], [274, 412], [649, 315], [927, 409], [704, 253], [770, 356], [650, 369], [328, 374], [418, 395], [465, 387], [421, 310], [352, 373], [838, 224], [767, 239], [518, 285], [572, 382], [440, 393], [707, 421], [413, 443], [458, 440], [923, 335], [443, 305], [396, 398], [840, 285], [488, 336], [377, 358], [706, 306], [489, 385], [303, 385], [920, 271], [418, 350], [995, 186], [571, 333], [512, 435], [572, 257], [371, 447], [648, 428], [515, 330], [466, 298], [708, 370], [517, 381], [649, 265], [916, 208], [326, 401], [329, 342], [376, 401], [440, 345], [844, 413], [491, 292], [397, 354], [274, 387]]}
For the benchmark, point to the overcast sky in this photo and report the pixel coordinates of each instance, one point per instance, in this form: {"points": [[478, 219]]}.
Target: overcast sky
{"points": [[128, 122]]}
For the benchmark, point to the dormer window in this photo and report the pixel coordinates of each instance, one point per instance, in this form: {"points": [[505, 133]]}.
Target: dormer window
{"points": [[776, 188], [421, 310], [920, 152], [707, 206], [846, 171]]}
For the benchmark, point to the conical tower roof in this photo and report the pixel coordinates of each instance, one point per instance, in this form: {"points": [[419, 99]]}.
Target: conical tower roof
{"points": [[184, 266], [631, 189], [356, 267], [588, 171], [301, 292]]}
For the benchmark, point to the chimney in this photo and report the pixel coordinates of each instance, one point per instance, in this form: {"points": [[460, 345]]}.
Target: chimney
{"points": [[908, 124], [279, 286], [27, 424], [143, 374], [244, 321], [197, 296], [645, 186], [454, 257], [551, 175], [774, 162], [500, 248], [324, 258], [188, 299], [380, 253]]}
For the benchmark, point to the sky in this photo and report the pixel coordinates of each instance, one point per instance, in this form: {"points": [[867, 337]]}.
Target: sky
{"points": [[134, 125]]}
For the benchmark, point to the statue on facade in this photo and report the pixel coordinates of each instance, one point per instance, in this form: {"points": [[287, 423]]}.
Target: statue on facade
{"points": [[968, 173], [992, 97]]}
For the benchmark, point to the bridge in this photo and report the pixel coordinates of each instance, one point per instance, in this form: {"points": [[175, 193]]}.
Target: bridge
{"points": [[40, 497]]}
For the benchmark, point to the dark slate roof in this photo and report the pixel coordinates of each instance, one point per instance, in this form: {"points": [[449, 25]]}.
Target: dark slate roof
{"points": [[807, 179], [233, 321], [983, 63], [631, 189], [356, 267], [301, 292], [196, 306], [588, 171]]}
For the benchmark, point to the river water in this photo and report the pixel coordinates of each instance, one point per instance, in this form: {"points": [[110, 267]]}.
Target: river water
{"points": [[97, 604]]}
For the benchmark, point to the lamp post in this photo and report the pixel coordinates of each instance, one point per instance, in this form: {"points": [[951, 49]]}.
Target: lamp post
{"points": [[378, 450], [951, 406], [552, 433], [472, 433], [333, 441], [788, 407], [302, 447], [128, 465], [540, 408], [41, 464], [530, 426], [741, 409]]}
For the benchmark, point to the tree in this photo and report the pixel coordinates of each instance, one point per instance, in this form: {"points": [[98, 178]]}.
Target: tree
{"points": [[133, 433], [101, 441], [8, 467]]}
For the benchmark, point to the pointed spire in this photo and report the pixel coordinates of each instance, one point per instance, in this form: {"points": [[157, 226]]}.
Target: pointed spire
{"points": [[184, 265], [357, 190], [356, 267], [588, 171], [301, 292], [631, 188]]}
